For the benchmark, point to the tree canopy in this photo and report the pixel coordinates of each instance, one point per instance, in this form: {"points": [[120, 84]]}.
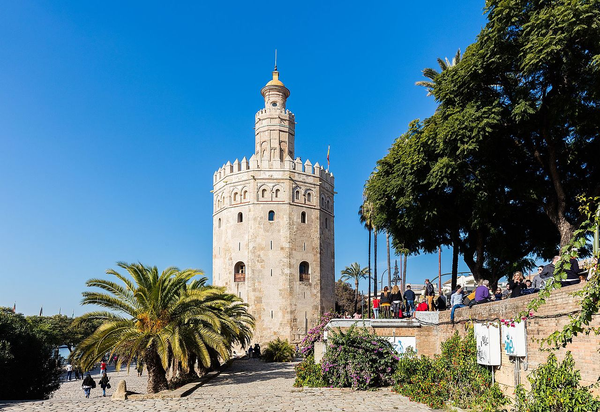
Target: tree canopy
{"points": [[496, 169]]}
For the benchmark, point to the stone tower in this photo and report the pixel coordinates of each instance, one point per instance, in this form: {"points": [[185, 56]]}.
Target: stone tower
{"points": [[273, 227]]}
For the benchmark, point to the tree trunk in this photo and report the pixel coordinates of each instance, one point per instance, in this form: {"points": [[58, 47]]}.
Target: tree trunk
{"points": [[157, 380], [369, 279], [455, 253], [404, 269], [387, 241], [375, 262], [356, 296], [189, 372]]}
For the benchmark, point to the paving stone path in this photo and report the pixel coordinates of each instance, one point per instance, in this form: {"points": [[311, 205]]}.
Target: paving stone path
{"points": [[248, 385]]}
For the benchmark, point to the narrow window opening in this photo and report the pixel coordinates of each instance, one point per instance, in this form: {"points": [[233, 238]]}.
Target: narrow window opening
{"points": [[271, 272], [303, 217], [271, 215], [326, 223], [305, 246], [219, 224], [240, 217], [277, 193], [304, 270], [263, 193], [239, 246], [245, 195], [239, 272], [309, 197], [271, 314], [271, 245], [297, 195]]}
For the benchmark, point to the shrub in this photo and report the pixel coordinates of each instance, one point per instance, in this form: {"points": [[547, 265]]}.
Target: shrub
{"points": [[453, 376], [556, 387], [28, 369], [307, 346], [309, 373], [358, 359], [278, 351]]}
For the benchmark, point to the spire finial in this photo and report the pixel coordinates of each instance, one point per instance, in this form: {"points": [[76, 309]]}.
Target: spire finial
{"points": [[275, 59]]}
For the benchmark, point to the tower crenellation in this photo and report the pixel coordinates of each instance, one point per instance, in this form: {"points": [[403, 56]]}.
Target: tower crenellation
{"points": [[273, 227]]}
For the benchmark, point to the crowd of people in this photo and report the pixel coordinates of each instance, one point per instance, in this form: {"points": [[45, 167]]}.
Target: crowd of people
{"points": [[519, 286], [393, 304]]}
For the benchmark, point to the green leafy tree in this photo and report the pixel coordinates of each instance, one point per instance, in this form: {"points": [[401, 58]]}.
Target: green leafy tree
{"points": [[29, 369], [354, 273], [345, 298], [161, 317]]}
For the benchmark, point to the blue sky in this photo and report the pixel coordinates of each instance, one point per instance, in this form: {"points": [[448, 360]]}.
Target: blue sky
{"points": [[114, 116]]}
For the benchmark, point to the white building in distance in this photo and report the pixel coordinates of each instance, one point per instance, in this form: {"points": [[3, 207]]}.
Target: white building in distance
{"points": [[273, 227]]}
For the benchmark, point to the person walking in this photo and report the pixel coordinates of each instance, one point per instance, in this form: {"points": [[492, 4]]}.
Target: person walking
{"points": [[69, 369], [429, 294], [88, 384], [409, 297], [104, 383], [102, 366]]}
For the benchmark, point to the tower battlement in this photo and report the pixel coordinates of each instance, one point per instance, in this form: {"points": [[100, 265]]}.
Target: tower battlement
{"points": [[288, 164]]}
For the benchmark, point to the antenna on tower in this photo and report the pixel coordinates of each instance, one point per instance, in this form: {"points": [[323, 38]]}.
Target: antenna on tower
{"points": [[275, 59]]}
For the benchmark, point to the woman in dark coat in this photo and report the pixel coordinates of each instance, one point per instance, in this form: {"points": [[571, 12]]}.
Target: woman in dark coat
{"points": [[88, 384], [516, 284]]}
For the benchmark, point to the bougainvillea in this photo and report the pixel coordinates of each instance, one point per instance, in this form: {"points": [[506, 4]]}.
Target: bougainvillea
{"points": [[307, 346], [359, 360]]}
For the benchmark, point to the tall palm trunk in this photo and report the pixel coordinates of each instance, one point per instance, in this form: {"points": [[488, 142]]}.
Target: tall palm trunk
{"points": [[387, 241], [369, 279], [404, 268], [157, 379], [356, 296], [375, 261]]}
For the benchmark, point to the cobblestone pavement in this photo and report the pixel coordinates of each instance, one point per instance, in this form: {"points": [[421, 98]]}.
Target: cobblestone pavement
{"points": [[249, 385]]}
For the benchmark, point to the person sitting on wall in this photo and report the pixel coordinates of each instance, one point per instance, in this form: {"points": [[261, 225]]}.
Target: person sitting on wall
{"points": [[546, 273], [409, 297], [482, 293], [516, 284], [572, 273], [422, 306], [528, 288], [440, 302], [498, 294], [456, 301]]}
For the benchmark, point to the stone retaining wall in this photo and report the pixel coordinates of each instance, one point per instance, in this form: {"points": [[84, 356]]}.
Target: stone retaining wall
{"points": [[550, 317]]}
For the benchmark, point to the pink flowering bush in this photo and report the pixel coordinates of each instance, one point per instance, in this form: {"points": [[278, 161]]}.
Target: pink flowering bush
{"points": [[307, 346], [359, 360]]}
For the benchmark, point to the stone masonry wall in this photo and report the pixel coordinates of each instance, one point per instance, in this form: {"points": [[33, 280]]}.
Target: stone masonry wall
{"points": [[550, 317]]}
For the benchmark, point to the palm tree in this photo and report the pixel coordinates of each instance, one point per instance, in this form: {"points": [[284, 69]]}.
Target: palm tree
{"points": [[354, 272], [161, 317], [365, 212], [432, 74]]}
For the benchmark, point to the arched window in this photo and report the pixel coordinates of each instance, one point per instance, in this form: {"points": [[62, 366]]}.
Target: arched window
{"points": [[271, 216], [240, 217], [277, 191], [263, 193], [309, 197], [327, 204], [219, 224], [239, 272], [326, 223], [304, 270], [322, 201], [297, 195], [303, 217], [235, 197], [245, 195]]}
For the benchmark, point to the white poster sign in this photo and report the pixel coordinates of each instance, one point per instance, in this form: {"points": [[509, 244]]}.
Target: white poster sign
{"points": [[513, 339], [488, 344], [402, 343]]}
